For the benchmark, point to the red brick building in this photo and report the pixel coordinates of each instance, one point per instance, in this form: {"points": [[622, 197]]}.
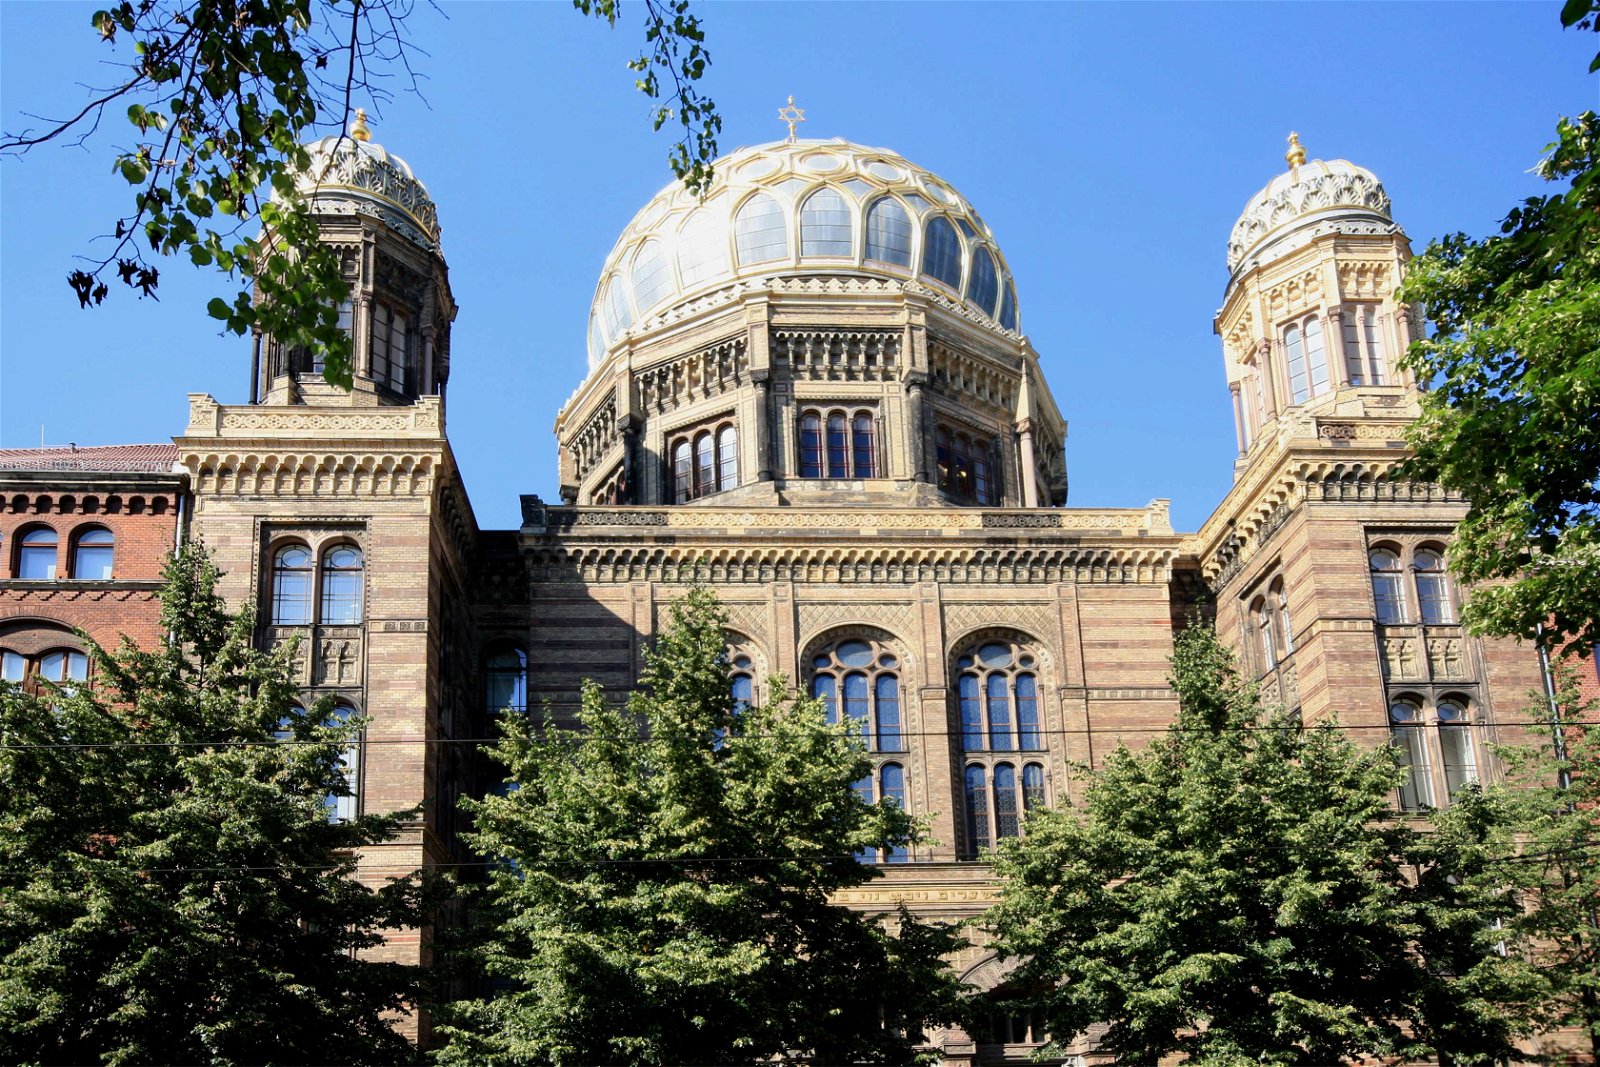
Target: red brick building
{"points": [[84, 536]]}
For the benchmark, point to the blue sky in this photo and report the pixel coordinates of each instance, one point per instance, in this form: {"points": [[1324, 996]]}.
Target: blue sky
{"points": [[1109, 147]]}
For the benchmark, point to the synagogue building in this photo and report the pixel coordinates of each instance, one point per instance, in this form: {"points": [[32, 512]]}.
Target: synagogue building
{"points": [[812, 390]]}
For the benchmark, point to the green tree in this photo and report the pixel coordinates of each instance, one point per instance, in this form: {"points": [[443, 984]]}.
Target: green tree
{"points": [[1543, 851], [661, 882], [1510, 418], [1239, 892], [171, 887], [221, 96]]}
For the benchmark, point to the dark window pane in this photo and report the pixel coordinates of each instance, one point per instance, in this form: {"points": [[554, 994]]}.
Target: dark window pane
{"points": [[889, 739], [1028, 713], [1006, 823], [824, 688], [861, 444], [941, 252], [977, 811], [855, 703], [838, 448], [1032, 787], [811, 447], [705, 466], [971, 714], [682, 473], [1001, 738]]}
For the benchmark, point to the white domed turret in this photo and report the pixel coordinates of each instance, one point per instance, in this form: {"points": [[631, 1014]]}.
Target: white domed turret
{"points": [[810, 206], [352, 175], [1308, 200]]}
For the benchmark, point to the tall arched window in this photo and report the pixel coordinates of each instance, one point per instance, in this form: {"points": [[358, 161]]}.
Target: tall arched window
{"points": [[978, 836], [995, 806], [727, 458], [291, 586], [1294, 350], [705, 465], [983, 288], [826, 225], [892, 790], [702, 249], [1456, 757], [341, 586], [858, 680], [1008, 307], [61, 666], [963, 466], [1266, 641], [941, 252], [1307, 359], [998, 692], [1433, 587], [651, 275], [345, 806], [760, 232], [91, 554], [888, 232], [838, 447], [838, 444], [36, 554], [1388, 586], [1435, 748], [1282, 623], [861, 446], [811, 445], [682, 472], [505, 680]]}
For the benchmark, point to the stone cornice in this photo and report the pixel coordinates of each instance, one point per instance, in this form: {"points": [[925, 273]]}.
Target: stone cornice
{"points": [[422, 419]]}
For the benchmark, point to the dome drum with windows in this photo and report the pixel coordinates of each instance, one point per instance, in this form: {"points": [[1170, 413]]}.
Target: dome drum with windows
{"points": [[820, 207]]}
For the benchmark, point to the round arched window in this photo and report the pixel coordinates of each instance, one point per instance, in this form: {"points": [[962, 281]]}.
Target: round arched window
{"points": [[858, 682], [998, 691]]}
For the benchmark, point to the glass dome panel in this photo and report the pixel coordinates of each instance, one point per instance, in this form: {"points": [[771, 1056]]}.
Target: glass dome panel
{"points": [[889, 232], [652, 278], [759, 231], [887, 171], [702, 249], [597, 341], [983, 288], [822, 161], [825, 225], [1008, 307], [618, 316], [919, 204], [941, 252], [857, 187]]}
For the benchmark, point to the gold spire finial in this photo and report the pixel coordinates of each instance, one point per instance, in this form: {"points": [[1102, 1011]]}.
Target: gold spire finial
{"points": [[1296, 154], [791, 115], [358, 128]]}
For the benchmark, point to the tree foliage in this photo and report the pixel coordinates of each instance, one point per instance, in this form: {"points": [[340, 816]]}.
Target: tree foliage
{"points": [[662, 877], [1542, 849], [1238, 892], [1510, 420], [171, 888], [222, 95]]}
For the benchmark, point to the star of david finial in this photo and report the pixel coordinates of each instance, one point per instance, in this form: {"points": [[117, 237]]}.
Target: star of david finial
{"points": [[791, 115]]}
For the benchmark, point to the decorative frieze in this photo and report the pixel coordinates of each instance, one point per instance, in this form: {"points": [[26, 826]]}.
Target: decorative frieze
{"points": [[598, 436], [838, 355], [709, 372], [310, 474], [423, 418], [966, 378]]}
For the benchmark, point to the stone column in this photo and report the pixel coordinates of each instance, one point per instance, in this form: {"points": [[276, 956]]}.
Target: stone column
{"points": [[1030, 470], [428, 385], [1402, 332], [916, 432], [763, 427], [1338, 372], [630, 459], [1238, 416], [1264, 367]]}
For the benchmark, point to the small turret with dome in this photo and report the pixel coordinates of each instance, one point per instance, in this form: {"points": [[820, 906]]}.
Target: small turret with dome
{"points": [[828, 320], [370, 206], [1309, 323]]}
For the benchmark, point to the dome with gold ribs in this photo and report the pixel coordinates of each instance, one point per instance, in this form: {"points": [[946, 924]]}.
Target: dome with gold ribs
{"points": [[1307, 201], [806, 207], [351, 175]]}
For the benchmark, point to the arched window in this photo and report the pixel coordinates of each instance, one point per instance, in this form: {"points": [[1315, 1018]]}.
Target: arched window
{"points": [[1456, 757], [838, 444], [1436, 749], [742, 684], [615, 310], [1388, 589], [998, 692], [13, 666], [1433, 587], [892, 790], [1316, 356], [983, 288], [1410, 740], [838, 447], [888, 232], [727, 458], [345, 806], [1282, 623], [941, 252], [1294, 350], [978, 836], [1008, 307], [826, 225], [861, 446], [858, 680], [291, 586], [705, 465], [759, 231], [702, 249], [1032, 787], [1307, 359], [652, 277], [91, 554], [36, 554], [995, 806], [1266, 642], [61, 666], [505, 681], [341, 586], [682, 472], [811, 445], [964, 466]]}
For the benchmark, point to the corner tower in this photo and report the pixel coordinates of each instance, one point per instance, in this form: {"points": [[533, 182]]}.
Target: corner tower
{"points": [[371, 208], [828, 324], [1325, 560]]}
